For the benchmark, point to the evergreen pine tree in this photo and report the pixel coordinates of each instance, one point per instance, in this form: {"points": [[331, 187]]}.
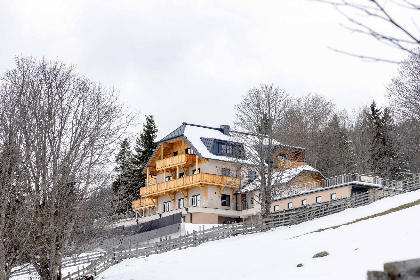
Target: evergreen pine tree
{"points": [[143, 150], [384, 158], [120, 187]]}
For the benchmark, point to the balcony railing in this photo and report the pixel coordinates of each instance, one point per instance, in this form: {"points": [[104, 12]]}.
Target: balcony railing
{"points": [[188, 182], [174, 161], [143, 203]]}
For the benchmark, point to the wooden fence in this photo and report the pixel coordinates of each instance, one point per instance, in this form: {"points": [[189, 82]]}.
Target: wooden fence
{"points": [[283, 218]]}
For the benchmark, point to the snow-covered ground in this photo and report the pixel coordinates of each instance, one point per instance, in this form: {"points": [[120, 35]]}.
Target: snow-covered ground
{"points": [[354, 249]]}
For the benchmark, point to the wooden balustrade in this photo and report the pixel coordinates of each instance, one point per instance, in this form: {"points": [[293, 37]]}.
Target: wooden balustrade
{"points": [[189, 182], [143, 202], [182, 159]]}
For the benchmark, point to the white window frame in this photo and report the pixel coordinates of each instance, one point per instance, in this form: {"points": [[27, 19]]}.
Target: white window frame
{"points": [[333, 196], [181, 203], [290, 205], [195, 200], [168, 178], [194, 171], [167, 206], [304, 202], [318, 199], [276, 208]]}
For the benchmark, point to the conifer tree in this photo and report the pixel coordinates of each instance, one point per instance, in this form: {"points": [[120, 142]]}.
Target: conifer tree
{"points": [[143, 150], [121, 186], [384, 157]]}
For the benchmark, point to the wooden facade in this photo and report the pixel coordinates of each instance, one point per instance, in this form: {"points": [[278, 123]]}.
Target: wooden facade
{"points": [[173, 158]]}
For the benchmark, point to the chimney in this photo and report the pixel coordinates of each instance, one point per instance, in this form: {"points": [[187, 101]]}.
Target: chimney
{"points": [[225, 129]]}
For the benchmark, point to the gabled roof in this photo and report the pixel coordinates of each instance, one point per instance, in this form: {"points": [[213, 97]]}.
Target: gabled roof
{"points": [[280, 178], [179, 132]]}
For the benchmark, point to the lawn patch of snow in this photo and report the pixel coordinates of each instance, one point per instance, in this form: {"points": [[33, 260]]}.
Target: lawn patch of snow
{"points": [[353, 249]]}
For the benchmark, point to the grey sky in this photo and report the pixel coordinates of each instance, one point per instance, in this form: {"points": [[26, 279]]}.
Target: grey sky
{"points": [[192, 60]]}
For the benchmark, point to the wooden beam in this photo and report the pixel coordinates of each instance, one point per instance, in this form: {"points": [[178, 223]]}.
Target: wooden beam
{"points": [[177, 171], [161, 151], [147, 177], [205, 190], [172, 199], [172, 174], [185, 197], [220, 191], [183, 146], [185, 171], [196, 164]]}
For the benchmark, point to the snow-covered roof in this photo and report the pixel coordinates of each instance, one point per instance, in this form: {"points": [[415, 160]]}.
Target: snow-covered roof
{"points": [[194, 135], [279, 178], [197, 136]]}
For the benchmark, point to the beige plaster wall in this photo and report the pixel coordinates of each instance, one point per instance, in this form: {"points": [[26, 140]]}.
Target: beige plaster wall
{"points": [[203, 218], [342, 192]]}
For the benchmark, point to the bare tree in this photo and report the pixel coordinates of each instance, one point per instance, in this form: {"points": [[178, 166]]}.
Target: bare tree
{"points": [[404, 95], [259, 113], [304, 121], [394, 22], [14, 222], [69, 127]]}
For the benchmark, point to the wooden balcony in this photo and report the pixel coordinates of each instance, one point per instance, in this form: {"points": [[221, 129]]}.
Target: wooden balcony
{"points": [[183, 159], [144, 203], [189, 182]]}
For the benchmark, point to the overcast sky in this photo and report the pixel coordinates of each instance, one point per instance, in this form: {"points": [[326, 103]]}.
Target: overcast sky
{"points": [[193, 60]]}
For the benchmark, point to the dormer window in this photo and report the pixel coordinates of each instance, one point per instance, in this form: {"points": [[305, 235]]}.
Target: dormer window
{"points": [[281, 156]]}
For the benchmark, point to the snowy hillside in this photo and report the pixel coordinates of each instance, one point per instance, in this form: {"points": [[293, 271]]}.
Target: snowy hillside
{"points": [[353, 249]]}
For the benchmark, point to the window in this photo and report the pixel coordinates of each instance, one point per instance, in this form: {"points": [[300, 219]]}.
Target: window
{"points": [[181, 175], [180, 203], [225, 200], [189, 151], [226, 148], [276, 208], [304, 202], [226, 172], [251, 175], [194, 171], [169, 178], [333, 196], [166, 206], [290, 205], [252, 201], [318, 199], [281, 156], [195, 200], [175, 153]]}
